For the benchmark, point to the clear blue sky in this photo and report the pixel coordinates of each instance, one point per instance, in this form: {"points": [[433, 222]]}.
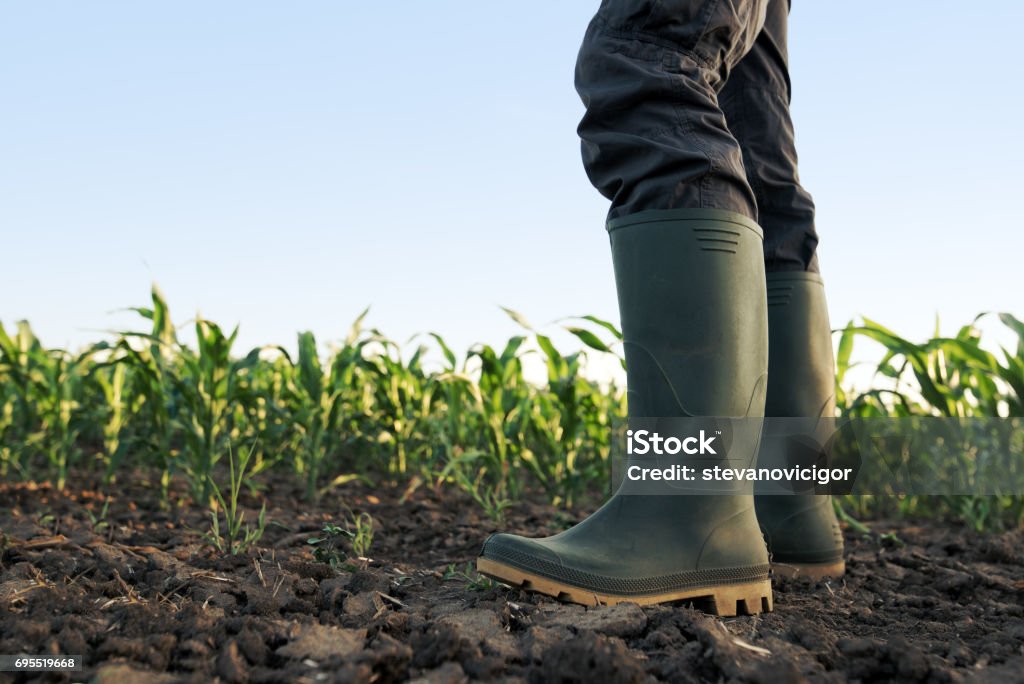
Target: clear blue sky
{"points": [[284, 165]]}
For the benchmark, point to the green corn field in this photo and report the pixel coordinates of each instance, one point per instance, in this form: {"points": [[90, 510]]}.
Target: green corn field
{"points": [[223, 418]]}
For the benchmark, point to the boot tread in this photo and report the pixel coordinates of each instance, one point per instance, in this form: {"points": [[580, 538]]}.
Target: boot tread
{"points": [[725, 600]]}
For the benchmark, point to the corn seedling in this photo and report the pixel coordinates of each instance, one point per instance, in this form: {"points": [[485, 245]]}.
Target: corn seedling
{"points": [[235, 537], [360, 531], [98, 523]]}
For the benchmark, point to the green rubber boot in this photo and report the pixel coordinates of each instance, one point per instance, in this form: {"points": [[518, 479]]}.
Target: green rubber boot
{"points": [[690, 286], [801, 530]]}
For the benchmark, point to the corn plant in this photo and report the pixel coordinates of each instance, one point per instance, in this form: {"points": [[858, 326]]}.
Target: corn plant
{"points": [[571, 423], [313, 404], [234, 537], [112, 385], [149, 431], [45, 397], [951, 377], [208, 387]]}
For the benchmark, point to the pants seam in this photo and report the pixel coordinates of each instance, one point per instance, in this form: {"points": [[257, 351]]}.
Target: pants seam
{"points": [[685, 127]]}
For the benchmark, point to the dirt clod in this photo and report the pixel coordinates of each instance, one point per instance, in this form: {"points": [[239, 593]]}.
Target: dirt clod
{"points": [[589, 657], [318, 642], [231, 666], [622, 620]]}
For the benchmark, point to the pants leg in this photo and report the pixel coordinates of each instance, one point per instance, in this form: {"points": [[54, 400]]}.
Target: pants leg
{"points": [[756, 100], [649, 73]]}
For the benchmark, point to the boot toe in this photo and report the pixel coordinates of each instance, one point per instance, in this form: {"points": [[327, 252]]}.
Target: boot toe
{"points": [[519, 551]]}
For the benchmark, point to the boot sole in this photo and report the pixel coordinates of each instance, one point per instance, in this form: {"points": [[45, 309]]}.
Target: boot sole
{"points": [[726, 600], [815, 571]]}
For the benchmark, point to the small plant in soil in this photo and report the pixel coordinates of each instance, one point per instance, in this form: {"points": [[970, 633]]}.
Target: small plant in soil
{"points": [[236, 537], [99, 522], [890, 541], [473, 579], [329, 546], [360, 530], [47, 520]]}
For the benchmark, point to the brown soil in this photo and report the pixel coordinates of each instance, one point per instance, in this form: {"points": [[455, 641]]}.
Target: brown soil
{"points": [[146, 601]]}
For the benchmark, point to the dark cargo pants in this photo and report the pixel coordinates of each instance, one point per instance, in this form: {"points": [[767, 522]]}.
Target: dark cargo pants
{"points": [[687, 105]]}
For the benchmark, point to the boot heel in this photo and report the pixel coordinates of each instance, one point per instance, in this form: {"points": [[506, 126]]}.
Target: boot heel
{"points": [[743, 599]]}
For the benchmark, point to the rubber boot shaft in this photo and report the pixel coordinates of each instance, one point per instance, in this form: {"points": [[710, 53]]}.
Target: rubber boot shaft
{"points": [[691, 293], [799, 529]]}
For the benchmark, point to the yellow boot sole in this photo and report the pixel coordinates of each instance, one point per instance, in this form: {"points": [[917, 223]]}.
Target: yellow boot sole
{"points": [[725, 600]]}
